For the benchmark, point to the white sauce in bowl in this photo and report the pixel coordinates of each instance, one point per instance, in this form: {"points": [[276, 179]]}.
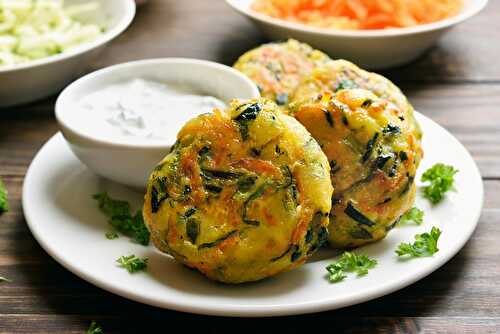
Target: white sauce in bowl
{"points": [[141, 110]]}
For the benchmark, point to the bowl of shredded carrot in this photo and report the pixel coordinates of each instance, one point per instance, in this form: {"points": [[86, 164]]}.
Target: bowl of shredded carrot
{"points": [[373, 33]]}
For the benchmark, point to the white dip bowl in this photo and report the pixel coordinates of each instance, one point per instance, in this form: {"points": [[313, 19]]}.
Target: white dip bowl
{"points": [[130, 162], [372, 49], [37, 79]]}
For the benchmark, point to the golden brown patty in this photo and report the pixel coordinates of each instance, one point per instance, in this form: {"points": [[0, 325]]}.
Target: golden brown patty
{"points": [[278, 68], [244, 194], [340, 74], [373, 153]]}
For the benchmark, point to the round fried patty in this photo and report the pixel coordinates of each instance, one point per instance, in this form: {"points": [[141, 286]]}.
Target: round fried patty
{"points": [[373, 152], [340, 74], [278, 68], [243, 195]]}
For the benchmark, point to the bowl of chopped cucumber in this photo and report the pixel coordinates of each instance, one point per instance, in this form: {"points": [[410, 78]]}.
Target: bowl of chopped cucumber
{"points": [[46, 44]]}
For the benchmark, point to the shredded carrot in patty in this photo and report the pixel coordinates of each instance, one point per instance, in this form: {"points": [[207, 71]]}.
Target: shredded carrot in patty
{"points": [[359, 14]]}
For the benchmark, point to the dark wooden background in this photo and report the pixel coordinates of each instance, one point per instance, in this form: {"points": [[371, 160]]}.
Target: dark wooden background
{"points": [[457, 84]]}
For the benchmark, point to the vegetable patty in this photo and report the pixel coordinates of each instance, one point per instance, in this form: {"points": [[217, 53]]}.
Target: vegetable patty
{"points": [[243, 195], [278, 68], [340, 74], [373, 153]]}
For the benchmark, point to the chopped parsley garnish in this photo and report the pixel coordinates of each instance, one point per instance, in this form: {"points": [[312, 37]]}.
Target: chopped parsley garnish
{"points": [[112, 235], [413, 215], [120, 217], [441, 180], [4, 202], [132, 263], [349, 262], [94, 328], [425, 245]]}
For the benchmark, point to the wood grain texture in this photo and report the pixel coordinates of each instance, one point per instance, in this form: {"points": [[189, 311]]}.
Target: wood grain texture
{"points": [[457, 84]]}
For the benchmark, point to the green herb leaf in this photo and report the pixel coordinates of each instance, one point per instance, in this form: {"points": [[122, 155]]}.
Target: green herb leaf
{"points": [[139, 230], [413, 215], [120, 217], [132, 263], [425, 245], [4, 202], [112, 235], [94, 328], [112, 207], [441, 180], [349, 262]]}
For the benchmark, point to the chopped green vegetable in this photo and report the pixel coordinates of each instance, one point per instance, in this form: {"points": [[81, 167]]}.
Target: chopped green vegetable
{"points": [[121, 218], [391, 130], [425, 245], [255, 195], [192, 229], [246, 183], [369, 147], [249, 114], [349, 262], [112, 235], [4, 202], [218, 241], [132, 263], [157, 197], [361, 233], [441, 180], [356, 215], [413, 215], [218, 174], [94, 328], [34, 29], [346, 84]]}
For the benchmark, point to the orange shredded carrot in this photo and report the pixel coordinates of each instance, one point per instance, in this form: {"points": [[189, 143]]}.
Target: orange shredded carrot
{"points": [[359, 14]]}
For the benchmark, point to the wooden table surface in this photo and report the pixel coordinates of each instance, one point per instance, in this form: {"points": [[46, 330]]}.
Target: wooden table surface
{"points": [[457, 84]]}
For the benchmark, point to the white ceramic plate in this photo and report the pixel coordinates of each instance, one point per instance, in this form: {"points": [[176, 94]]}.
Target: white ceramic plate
{"points": [[66, 222]]}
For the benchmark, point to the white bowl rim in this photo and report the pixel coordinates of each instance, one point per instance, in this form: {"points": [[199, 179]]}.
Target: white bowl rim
{"points": [[123, 67], [468, 12], [108, 35]]}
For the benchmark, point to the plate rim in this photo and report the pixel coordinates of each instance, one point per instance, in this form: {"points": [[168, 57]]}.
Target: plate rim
{"points": [[238, 310]]}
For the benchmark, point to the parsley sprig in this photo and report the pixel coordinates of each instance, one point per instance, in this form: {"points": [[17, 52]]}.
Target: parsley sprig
{"points": [[94, 328], [441, 178], [4, 202], [349, 262], [413, 215], [122, 220], [112, 235], [425, 244], [132, 263]]}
